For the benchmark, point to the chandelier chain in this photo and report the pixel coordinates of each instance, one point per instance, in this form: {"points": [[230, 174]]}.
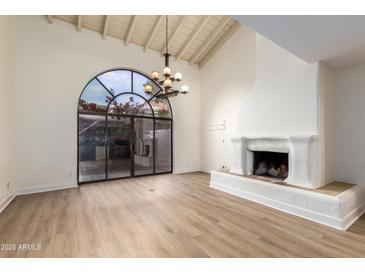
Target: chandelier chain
{"points": [[167, 26]]}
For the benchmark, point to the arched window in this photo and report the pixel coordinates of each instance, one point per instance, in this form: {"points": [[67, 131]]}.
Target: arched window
{"points": [[122, 131], [130, 104]]}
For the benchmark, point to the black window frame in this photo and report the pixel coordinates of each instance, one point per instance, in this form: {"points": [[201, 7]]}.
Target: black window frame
{"points": [[106, 114]]}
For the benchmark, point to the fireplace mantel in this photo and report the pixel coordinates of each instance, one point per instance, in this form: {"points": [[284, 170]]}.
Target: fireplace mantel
{"points": [[302, 150]]}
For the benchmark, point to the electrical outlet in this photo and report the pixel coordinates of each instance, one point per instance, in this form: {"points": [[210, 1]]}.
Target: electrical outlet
{"points": [[8, 185]]}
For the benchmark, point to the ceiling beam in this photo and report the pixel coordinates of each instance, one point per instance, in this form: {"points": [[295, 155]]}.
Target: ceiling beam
{"points": [[174, 33], [210, 38], [79, 23], [106, 25], [153, 32], [219, 44], [192, 36], [49, 19], [132, 24]]}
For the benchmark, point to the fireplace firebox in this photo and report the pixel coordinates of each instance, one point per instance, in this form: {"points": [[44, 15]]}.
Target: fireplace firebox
{"points": [[271, 164]]}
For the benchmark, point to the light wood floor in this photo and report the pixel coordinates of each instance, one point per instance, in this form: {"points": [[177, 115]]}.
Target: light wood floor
{"points": [[165, 216]]}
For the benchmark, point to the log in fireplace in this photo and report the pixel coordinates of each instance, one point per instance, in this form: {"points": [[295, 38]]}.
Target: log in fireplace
{"points": [[271, 164]]}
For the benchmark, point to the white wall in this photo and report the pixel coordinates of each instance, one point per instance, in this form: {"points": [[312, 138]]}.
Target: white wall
{"points": [[326, 123], [259, 89], [7, 30], [225, 80], [53, 63], [349, 121], [284, 100]]}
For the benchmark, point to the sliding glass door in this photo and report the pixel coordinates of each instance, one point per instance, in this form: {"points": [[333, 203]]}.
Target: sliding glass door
{"points": [[130, 146], [115, 147], [143, 152], [91, 150], [163, 145], [120, 145]]}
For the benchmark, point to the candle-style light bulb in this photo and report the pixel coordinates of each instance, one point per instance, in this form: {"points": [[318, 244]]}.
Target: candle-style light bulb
{"points": [[148, 88], [155, 75], [184, 89], [178, 76], [166, 71], [167, 83]]}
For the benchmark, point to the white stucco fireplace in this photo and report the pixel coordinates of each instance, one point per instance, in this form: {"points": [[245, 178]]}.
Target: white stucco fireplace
{"points": [[301, 150]]}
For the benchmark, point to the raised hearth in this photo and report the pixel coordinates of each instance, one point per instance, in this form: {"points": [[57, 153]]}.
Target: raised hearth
{"points": [[302, 191], [338, 205]]}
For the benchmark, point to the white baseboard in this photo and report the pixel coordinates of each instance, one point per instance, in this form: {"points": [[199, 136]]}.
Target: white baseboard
{"points": [[30, 190], [6, 201], [206, 170], [353, 216], [185, 170], [38, 189]]}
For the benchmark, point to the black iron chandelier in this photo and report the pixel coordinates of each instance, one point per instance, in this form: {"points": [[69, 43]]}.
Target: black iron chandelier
{"points": [[167, 79]]}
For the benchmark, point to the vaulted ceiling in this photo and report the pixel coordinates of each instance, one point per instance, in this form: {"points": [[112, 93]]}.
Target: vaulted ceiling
{"points": [[194, 38], [337, 40]]}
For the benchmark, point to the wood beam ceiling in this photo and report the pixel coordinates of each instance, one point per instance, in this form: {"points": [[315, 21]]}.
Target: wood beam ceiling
{"points": [[79, 22], [146, 36], [210, 39], [106, 25], [192, 36], [132, 24], [174, 33], [153, 32]]}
